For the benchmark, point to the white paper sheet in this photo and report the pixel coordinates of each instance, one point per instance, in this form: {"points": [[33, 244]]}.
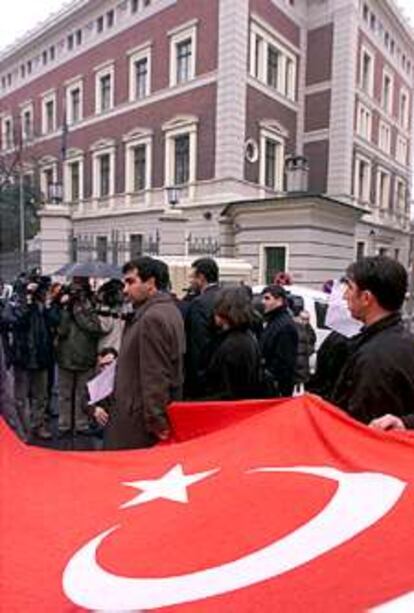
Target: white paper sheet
{"points": [[103, 385], [338, 317]]}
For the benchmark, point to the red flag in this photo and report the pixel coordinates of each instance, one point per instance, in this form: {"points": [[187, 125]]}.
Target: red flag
{"points": [[260, 506]]}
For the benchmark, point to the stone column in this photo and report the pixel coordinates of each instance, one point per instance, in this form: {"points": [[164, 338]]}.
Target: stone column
{"points": [[344, 73], [172, 232], [231, 88], [226, 230], [55, 234]]}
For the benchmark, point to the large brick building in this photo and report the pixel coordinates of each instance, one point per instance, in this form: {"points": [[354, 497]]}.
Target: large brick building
{"points": [[119, 99]]}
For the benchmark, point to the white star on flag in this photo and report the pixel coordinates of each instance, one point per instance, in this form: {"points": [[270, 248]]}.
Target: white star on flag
{"points": [[172, 486]]}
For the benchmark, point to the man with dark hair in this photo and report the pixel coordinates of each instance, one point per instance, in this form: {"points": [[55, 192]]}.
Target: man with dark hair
{"points": [[378, 377], [164, 281], [279, 340], [204, 272], [199, 324], [150, 364]]}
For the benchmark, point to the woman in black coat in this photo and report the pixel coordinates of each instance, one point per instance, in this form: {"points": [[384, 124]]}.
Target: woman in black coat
{"points": [[234, 365]]}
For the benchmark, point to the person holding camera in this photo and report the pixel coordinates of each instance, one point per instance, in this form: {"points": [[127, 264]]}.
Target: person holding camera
{"points": [[76, 351], [30, 323], [110, 312]]}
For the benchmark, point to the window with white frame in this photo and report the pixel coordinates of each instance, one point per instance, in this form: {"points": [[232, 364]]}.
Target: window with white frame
{"points": [[271, 62], [273, 67], [140, 73], [362, 179], [103, 171], [140, 161], [400, 195], [48, 176], [367, 71], [364, 121], [181, 159], [383, 188], [74, 180], [102, 248], [104, 175], [27, 122], [183, 53], [384, 137], [401, 150], [138, 167], [404, 108], [74, 102], [387, 92], [74, 177], [49, 113], [7, 138], [110, 18], [136, 245], [272, 159], [104, 89], [181, 151]]}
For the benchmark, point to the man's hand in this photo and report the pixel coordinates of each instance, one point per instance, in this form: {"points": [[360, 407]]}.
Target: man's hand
{"points": [[164, 434], [387, 422], [101, 416], [158, 424]]}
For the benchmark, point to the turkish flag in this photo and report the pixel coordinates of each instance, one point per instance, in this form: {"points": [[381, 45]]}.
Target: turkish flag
{"points": [[258, 506]]}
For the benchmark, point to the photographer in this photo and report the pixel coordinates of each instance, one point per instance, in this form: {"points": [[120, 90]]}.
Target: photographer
{"points": [[110, 309], [30, 325], [77, 341]]}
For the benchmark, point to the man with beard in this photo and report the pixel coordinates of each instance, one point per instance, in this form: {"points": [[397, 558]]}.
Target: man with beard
{"points": [[150, 365]]}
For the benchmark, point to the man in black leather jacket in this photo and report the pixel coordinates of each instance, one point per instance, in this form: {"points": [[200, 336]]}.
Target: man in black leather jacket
{"points": [[378, 377]]}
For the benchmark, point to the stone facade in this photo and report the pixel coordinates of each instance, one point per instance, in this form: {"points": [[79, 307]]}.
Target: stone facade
{"points": [[245, 82]]}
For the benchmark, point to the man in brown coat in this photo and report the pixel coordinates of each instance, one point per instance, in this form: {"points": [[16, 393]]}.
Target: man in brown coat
{"points": [[150, 364]]}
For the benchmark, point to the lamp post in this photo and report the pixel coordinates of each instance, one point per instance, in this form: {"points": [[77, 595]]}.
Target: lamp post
{"points": [[372, 238], [55, 193], [22, 222], [173, 195]]}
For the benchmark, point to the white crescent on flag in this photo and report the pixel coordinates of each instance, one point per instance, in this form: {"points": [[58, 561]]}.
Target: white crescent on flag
{"points": [[360, 501]]}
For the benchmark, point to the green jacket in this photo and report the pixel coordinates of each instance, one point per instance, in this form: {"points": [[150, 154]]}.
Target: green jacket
{"points": [[77, 338]]}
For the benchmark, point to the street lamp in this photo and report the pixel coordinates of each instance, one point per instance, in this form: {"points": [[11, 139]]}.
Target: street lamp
{"points": [[55, 193], [173, 195], [22, 221]]}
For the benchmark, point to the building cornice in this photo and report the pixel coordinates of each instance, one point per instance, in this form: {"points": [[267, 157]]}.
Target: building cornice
{"points": [[54, 31], [303, 198], [403, 21], [44, 27]]}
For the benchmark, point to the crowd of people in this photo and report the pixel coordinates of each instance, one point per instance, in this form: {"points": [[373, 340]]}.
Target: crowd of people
{"points": [[217, 343]]}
